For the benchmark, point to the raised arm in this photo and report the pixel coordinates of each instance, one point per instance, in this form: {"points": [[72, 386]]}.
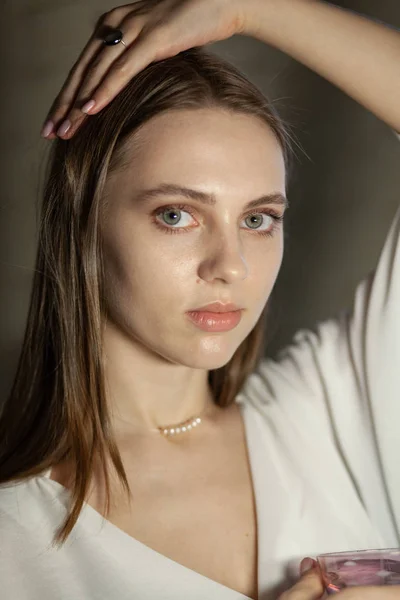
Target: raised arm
{"points": [[360, 56]]}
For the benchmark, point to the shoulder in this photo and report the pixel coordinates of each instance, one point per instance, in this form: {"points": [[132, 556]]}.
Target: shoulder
{"points": [[28, 509]]}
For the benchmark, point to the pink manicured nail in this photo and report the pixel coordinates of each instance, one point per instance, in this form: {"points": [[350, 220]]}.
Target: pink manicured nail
{"points": [[305, 565], [47, 128], [88, 106], [64, 127]]}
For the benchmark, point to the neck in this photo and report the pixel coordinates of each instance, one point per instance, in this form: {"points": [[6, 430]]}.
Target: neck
{"points": [[145, 391]]}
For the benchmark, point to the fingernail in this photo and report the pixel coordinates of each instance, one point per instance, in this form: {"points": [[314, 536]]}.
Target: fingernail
{"points": [[47, 128], [88, 106], [64, 127], [306, 565]]}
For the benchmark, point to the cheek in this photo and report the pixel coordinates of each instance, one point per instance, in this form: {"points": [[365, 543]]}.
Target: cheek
{"points": [[279, 255], [276, 263], [267, 261], [142, 272]]}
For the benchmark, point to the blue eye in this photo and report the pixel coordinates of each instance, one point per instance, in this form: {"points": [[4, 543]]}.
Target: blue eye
{"points": [[173, 216]]}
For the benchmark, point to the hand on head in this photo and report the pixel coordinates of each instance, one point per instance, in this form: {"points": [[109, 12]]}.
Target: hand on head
{"points": [[149, 31]]}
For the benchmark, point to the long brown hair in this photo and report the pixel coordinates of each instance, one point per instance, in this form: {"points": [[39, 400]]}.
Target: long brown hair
{"points": [[57, 409]]}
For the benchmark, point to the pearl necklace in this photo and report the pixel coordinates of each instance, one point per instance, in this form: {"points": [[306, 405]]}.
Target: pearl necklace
{"points": [[180, 427], [184, 426], [187, 425]]}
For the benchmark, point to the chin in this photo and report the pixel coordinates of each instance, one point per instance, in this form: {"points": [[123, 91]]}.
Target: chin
{"points": [[209, 355]]}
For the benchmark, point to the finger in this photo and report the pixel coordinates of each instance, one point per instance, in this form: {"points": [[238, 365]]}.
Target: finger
{"points": [[309, 587], [98, 69], [95, 45], [145, 50], [150, 46]]}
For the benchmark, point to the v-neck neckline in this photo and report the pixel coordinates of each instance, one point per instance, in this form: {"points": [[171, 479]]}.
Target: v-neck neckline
{"points": [[253, 447]]}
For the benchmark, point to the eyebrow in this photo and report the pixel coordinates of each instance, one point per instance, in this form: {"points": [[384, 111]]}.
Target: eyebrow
{"points": [[169, 189]]}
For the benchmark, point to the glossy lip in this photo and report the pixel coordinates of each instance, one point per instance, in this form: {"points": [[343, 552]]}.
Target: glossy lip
{"points": [[215, 322], [217, 307]]}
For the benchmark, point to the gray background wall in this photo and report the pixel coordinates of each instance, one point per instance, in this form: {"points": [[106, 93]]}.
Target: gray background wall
{"points": [[343, 196]]}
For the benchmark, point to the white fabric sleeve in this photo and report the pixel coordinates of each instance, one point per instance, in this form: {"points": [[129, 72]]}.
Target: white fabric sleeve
{"points": [[341, 380]]}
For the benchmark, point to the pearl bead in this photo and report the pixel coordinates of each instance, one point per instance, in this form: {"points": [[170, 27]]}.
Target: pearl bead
{"points": [[186, 426]]}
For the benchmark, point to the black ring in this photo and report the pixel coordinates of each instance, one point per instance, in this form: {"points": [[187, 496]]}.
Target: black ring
{"points": [[113, 37]]}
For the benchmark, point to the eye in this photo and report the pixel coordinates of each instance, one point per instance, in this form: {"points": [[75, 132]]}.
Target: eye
{"points": [[256, 221], [264, 222], [173, 216]]}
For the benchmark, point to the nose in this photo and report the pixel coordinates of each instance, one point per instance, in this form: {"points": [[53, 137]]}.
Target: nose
{"points": [[224, 260]]}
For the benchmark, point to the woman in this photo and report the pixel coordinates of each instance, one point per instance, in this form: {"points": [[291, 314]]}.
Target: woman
{"points": [[121, 365]]}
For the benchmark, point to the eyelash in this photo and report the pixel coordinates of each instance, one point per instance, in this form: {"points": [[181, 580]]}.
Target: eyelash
{"points": [[169, 229]]}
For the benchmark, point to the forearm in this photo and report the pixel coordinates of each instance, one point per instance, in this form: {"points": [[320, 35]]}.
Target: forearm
{"points": [[358, 55]]}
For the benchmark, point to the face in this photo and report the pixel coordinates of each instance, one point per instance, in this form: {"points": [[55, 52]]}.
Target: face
{"points": [[167, 253]]}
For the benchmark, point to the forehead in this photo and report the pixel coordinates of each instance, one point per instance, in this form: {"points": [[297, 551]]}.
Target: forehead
{"points": [[206, 146]]}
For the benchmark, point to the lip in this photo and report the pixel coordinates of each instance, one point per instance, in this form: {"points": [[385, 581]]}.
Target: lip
{"points": [[215, 322], [218, 307]]}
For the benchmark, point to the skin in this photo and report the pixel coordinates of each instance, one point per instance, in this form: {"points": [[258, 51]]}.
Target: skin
{"points": [[157, 361]]}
